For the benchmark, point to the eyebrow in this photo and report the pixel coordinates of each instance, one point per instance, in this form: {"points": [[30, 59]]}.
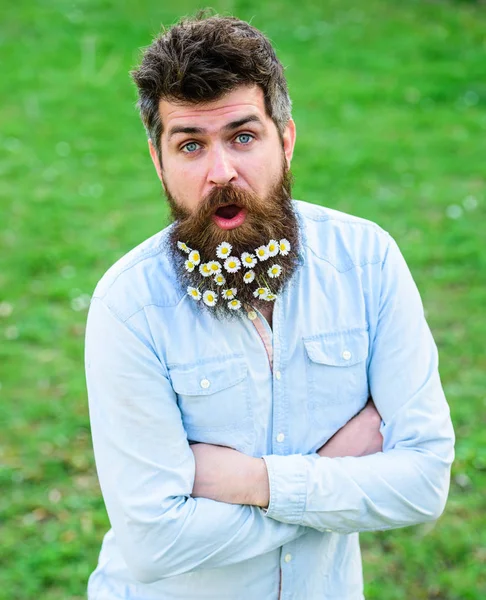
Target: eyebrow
{"points": [[228, 127]]}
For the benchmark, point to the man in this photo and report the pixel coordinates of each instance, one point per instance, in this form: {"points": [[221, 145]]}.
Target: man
{"points": [[231, 358]]}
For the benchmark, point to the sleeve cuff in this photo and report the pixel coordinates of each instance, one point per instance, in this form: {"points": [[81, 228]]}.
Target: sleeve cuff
{"points": [[287, 476]]}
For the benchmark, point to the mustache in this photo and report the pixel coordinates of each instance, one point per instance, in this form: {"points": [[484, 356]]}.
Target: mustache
{"points": [[224, 196]]}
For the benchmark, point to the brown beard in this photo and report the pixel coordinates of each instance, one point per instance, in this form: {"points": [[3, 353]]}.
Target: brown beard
{"points": [[269, 218]]}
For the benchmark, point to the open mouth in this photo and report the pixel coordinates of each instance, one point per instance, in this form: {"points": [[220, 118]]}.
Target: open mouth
{"points": [[229, 216], [228, 212]]}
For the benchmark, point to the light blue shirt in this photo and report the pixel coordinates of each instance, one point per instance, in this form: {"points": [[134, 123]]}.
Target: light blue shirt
{"points": [[348, 326]]}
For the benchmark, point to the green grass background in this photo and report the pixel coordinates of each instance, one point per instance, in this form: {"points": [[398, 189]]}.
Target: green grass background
{"points": [[389, 100]]}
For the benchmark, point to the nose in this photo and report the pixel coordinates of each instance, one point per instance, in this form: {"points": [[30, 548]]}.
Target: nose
{"points": [[221, 169]]}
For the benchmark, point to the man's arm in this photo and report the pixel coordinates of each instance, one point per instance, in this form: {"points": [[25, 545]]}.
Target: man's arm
{"points": [[350, 485], [408, 482], [226, 475], [146, 468]]}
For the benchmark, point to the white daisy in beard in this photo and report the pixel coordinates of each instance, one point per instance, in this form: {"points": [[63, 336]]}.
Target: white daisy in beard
{"points": [[249, 276], [261, 292], [194, 293], [210, 298], [262, 253], [195, 257], [234, 304], [270, 297], [219, 279], [184, 247], [232, 264], [274, 271], [284, 246], [229, 294], [248, 260], [273, 248], [205, 270], [215, 267], [223, 251], [190, 266]]}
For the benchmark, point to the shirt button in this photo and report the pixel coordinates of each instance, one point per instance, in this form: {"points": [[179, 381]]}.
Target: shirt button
{"points": [[280, 437], [288, 558], [346, 355], [252, 315], [278, 375], [205, 383]]}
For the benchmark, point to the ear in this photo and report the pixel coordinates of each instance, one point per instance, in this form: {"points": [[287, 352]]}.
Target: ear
{"points": [[289, 141], [155, 159]]}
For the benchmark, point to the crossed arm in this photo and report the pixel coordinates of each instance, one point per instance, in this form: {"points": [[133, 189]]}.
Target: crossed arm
{"points": [[226, 475]]}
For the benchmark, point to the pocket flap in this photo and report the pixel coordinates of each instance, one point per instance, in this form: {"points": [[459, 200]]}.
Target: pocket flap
{"points": [[207, 377], [338, 349]]}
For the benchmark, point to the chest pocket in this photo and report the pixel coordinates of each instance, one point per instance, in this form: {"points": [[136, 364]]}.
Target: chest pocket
{"points": [[213, 396], [337, 375]]}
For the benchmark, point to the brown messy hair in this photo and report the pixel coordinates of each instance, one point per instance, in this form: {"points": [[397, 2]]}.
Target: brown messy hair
{"points": [[202, 58]]}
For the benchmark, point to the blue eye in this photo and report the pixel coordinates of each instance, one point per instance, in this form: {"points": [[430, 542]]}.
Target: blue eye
{"points": [[245, 138], [190, 147]]}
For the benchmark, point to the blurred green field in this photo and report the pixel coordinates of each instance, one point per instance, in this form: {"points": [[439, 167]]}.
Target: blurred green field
{"points": [[390, 105]]}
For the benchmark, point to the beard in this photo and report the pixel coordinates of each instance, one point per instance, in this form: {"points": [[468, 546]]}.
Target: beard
{"points": [[269, 218]]}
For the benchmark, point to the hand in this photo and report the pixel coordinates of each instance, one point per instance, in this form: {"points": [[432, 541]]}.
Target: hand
{"points": [[359, 437], [226, 475]]}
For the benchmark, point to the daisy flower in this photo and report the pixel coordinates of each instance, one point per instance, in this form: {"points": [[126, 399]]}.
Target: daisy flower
{"points": [[190, 266], [210, 298], [232, 264], [248, 260], [205, 270], [270, 297], [215, 267], [249, 276], [229, 294], [195, 257], [194, 293], [224, 250], [234, 304], [219, 279], [274, 271], [184, 247], [261, 292], [284, 247], [273, 248], [262, 252]]}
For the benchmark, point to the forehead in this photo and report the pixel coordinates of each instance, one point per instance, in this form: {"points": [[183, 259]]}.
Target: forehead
{"points": [[243, 101]]}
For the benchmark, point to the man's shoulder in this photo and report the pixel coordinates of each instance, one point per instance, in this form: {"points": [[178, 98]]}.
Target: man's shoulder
{"points": [[341, 239], [143, 276]]}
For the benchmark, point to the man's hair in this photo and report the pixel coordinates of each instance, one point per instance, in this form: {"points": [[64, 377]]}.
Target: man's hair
{"points": [[201, 59]]}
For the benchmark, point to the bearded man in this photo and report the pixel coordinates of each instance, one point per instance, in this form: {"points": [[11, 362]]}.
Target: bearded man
{"points": [[262, 382]]}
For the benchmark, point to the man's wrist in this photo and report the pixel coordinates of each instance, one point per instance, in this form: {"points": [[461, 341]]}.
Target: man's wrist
{"points": [[260, 486]]}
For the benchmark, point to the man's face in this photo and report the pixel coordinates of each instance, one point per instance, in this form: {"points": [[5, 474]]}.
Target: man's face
{"points": [[228, 141], [226, 174]]}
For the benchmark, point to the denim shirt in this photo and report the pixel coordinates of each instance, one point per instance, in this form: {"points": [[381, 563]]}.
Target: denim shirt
{"points": [[162, 374]]}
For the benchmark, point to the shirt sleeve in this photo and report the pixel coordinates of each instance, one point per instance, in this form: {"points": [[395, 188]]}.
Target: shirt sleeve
{"points": [[408, 482], [146, 468]]}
